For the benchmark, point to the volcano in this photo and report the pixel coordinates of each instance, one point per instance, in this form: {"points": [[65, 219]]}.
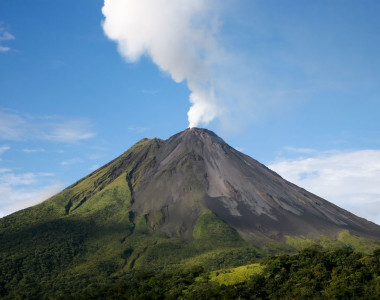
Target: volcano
{"points": [[165, 204], [196, 170]]}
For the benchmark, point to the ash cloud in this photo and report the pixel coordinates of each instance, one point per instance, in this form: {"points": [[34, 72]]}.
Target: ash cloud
{"points": [[181, 38]]}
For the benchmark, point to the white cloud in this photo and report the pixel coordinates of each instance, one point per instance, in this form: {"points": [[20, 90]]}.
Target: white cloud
{"points": [[348, 179], [12, 126], [11, 179], [18, 191], [4, 49], [72, 161], [13, 199], [5, 36], [4, 148], [16, 127], [33, 150], [69, 131]]}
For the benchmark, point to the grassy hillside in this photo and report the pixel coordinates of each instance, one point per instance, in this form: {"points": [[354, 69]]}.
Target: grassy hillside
{"points": [[236, 275]]}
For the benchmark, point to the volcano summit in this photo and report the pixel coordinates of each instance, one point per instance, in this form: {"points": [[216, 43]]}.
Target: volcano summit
{"points": [[165, 204]]}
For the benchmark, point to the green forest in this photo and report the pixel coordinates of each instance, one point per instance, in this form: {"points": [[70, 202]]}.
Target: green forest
{"points": [[312, 273]]}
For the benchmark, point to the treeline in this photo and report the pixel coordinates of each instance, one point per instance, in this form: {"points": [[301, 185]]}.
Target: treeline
{"points": [[313, 273]]}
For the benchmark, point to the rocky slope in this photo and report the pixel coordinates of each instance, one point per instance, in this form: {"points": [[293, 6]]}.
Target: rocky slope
{"points": [[196, 170]]}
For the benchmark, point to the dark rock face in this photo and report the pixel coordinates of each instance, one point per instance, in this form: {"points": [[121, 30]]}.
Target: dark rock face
{"points": [[196, 170]]}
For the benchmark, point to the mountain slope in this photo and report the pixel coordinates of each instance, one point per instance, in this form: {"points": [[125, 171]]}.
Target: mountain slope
{"points": [[196, 170], [186, 201], [169, 183]]}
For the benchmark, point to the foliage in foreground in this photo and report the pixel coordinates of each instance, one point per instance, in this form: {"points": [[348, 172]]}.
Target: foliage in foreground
{"points": [[313, 273]]}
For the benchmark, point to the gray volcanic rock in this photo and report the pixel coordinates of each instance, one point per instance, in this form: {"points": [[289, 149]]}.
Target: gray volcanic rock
{"points": [[196, 170]]}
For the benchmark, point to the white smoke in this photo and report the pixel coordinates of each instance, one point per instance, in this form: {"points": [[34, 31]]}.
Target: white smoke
{"points": [[180, 37]]}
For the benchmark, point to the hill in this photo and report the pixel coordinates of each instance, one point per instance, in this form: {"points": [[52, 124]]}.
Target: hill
{"points": [[164, 205]]}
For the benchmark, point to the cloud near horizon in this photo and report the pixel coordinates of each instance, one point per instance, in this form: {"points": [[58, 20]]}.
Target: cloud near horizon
{"points": [[181, 38], [350, 180], [21, 190], [16, 127]]}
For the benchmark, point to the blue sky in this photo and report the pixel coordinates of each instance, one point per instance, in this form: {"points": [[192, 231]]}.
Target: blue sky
{"points": [[294, 84]]}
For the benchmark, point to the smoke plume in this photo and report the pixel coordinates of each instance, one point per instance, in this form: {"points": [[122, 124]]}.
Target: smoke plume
{"points": [[180, 38]]}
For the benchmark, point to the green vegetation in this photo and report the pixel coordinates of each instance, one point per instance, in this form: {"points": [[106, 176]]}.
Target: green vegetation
{"points": [[345, 240], [144, 266], [313, 273], [236, 275], [299, 242], [358, 243], [66, 258], [211, 232]]}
